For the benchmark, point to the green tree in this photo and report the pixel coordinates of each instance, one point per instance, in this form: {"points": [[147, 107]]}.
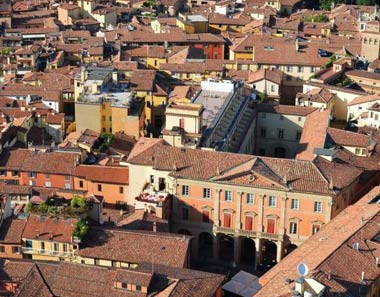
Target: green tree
{"points": [[81, 229], [78, 203]]}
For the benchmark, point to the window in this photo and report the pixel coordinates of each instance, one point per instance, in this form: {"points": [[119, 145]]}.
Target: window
{"points": [[298, 135], [67, 186], [110, 118], [15, 173], [263, 132], [272, 201], [364, 151], [81, 184], [228, 196], [15, 250], [47, 176], [56, 246], [138, 288], [99, 187], [281, 133], [2, 249], [185, 190], [315, 228], [357, 151], [48, 184], [318, 206], [104, 118], [250, 198], [281, 117], [227, 220], [32, 174], [272, 88], [42, 245], [28, 244], [312, 69], [294, 204], [185, 214], [293, 228], [300, 69], [248, 223], [206, 193], [121, 190], [65, 248], [289, 68], [205, 216]]}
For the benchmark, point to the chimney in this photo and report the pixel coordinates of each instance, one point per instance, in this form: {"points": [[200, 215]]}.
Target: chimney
{"points": [[37, 233], [363, 276], [217, 171], [154, 227], [377, 261], [331, 185], [300, 285], [297, 45]]}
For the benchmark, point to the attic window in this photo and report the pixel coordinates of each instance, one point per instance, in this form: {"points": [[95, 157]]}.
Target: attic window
{"points": [[268, 48], [248, 48], [124, 285]]}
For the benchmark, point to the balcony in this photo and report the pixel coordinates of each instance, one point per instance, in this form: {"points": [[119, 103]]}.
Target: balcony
{"points": [[248, 233], [31, 251], [226, 230]]}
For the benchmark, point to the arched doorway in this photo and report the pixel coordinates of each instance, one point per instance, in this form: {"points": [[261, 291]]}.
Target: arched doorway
{"points": [[269, 254], [279, 152], [290, 248], [205, 245], [184, 232], [226, 248], [248, 252]]}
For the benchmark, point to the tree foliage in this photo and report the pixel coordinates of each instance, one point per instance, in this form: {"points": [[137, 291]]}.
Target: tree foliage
{"points": [[81, 229]]}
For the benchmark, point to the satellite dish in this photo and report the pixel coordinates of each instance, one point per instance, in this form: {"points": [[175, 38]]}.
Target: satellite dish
{"points": [[302, 269]]}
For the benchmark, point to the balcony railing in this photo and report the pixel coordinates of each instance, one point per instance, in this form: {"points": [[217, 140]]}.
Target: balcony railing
{"points": [[226, 230], [26, 250], [248, 233]]}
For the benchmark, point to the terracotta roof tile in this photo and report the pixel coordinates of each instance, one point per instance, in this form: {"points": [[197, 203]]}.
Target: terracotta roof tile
{"points": [[210, 165], [45, 162], [11, 230], [348, 138], [136, 247], [61, 229], [103, 174], [328, 251]]}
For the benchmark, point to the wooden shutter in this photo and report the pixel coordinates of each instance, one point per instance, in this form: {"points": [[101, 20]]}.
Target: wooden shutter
{"points": [[227, 220], [270, 227], [248, 223], [206, 216]]}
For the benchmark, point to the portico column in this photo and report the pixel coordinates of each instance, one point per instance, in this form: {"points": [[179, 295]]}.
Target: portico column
{"points": [[216, 207], [279, 251], [195, 246], [215, 247], [258, 243], [238, 211], [237, 247], [260, 214]]}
